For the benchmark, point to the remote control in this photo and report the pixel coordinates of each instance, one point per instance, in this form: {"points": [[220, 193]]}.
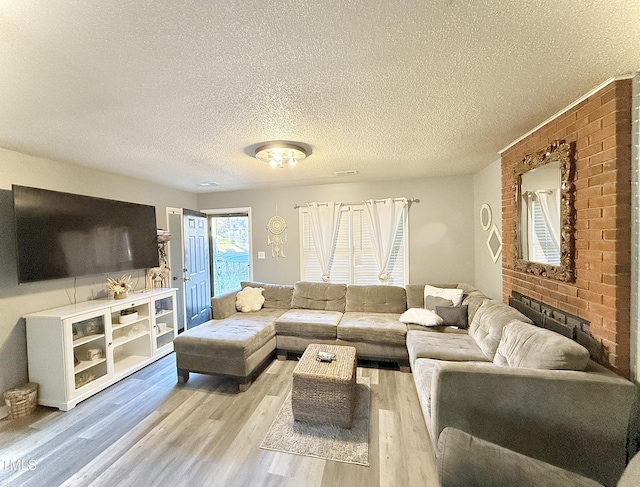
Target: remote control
{"points": [[326, 357]]}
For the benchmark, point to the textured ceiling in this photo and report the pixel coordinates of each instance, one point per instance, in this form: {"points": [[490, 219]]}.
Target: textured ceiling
{"points": [[180, 92]]}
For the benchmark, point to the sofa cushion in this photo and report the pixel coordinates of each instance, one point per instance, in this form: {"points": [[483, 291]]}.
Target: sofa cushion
{"points": [[525, 345], [241, 333], [376, 299], [436, 329], [456, 347], [473, 300], [415, 293], [421, 316], [319, 295], [276, 296], [224, 305], [453, 294], [249, 299], [488, 322], [308, 323], [466, 288], [465, 460], [422, 371], [384, 328]]}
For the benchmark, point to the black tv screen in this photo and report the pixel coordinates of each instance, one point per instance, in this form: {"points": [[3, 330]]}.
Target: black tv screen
{"points": [[62, 235]]}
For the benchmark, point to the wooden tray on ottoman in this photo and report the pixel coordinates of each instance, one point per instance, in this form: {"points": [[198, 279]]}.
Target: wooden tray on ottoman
{"points": [[325, 392]]}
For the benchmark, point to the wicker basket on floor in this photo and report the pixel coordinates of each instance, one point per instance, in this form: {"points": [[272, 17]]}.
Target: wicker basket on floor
{"points": [[22, 401]]}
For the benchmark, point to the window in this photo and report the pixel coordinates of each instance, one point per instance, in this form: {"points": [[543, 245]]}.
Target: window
{"points": [[230, 251], [542, 244], [353, 260]]}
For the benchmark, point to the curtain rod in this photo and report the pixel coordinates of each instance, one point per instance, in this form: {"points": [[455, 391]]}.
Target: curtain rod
{"points": [[541, 191], [409, 200]]}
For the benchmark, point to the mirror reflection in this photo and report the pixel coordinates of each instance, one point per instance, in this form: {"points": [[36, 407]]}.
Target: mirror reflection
{"points": [[540, 214], [544, 215]]}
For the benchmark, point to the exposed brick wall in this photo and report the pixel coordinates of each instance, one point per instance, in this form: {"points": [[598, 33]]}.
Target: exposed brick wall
{"points": [[600, 127]]}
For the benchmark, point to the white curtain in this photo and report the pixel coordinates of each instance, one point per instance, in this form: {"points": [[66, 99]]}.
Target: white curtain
{"points": [[383, 218], [550, 206], [324, 218]]}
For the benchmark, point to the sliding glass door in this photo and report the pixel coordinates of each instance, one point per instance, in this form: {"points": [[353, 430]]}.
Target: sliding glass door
{"points": [[231, 250]]}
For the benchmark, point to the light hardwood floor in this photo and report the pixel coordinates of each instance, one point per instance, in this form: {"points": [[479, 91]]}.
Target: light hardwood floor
{"points": [[147, 430]]}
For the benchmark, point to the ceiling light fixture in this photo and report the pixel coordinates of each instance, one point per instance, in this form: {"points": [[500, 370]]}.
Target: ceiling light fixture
{"points": [[277, 154]]}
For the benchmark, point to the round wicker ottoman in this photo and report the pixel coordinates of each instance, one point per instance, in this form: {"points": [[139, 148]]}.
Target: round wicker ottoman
{"points": [[325, 392]]}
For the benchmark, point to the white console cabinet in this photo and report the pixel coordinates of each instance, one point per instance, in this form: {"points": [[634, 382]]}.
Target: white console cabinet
{"points": [[77, 350]]}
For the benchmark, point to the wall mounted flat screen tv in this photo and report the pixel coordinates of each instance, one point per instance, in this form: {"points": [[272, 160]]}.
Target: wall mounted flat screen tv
{"points": [[61, 235]]}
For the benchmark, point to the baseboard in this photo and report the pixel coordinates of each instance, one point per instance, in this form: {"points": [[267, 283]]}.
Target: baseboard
{"points": [[4, 412]]}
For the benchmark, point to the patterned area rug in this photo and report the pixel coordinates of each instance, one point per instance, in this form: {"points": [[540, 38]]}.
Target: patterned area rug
{"points": [[323, 441]]}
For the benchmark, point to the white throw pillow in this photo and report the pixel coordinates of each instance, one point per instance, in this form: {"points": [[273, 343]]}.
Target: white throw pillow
{"points": [[454, 295], [250, 299], [421, 316]]}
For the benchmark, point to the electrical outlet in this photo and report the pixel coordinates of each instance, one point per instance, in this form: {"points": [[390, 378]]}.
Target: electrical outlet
{"points": [[261, 254]]}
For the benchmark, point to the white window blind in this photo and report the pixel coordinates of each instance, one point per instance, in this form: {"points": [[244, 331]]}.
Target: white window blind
{"points": [[353, 260], [544, 248]]}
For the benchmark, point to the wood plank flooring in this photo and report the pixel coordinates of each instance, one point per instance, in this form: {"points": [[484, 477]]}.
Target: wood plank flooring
{"points": [[147, 430]]}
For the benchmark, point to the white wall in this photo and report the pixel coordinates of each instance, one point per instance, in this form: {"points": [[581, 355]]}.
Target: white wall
{"points": [[440, 226], [444, 238], [487, 189], [18, 300]]}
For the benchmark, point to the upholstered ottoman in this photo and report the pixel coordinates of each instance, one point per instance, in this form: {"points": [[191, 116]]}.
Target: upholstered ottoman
{"points": [[238, 346], [325, 392]]}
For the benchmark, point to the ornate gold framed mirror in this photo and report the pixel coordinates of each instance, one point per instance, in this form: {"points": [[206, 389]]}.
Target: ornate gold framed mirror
{"points": [[545, 216]]}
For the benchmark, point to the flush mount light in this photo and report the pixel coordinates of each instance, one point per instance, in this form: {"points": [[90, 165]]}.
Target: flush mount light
{"points": [[206, 185], [279, 154]]}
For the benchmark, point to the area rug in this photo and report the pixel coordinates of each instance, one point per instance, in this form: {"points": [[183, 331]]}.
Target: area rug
{"points": [[324, 441]]}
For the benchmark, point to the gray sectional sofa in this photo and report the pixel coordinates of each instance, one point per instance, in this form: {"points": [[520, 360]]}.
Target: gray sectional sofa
{"points": [[524, 388], [465, 461], [503, 379], [293, 316]]}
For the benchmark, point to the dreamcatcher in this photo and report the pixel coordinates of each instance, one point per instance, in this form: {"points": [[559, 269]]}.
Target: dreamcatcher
{"points": [[277, 236]]}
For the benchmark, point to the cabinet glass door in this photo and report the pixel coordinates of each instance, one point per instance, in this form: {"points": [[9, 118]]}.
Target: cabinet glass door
{"points": [[164, 323], [89, 350]]}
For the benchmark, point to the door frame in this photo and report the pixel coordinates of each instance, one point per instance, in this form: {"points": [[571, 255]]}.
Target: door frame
{"points": [[177, 273], [635, 233], [223, 211]]}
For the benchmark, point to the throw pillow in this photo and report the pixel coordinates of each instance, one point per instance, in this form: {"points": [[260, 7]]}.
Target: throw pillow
{"points": [[454, 315], [432, 302], [454, 295], [421, 316], [249, 299]]}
